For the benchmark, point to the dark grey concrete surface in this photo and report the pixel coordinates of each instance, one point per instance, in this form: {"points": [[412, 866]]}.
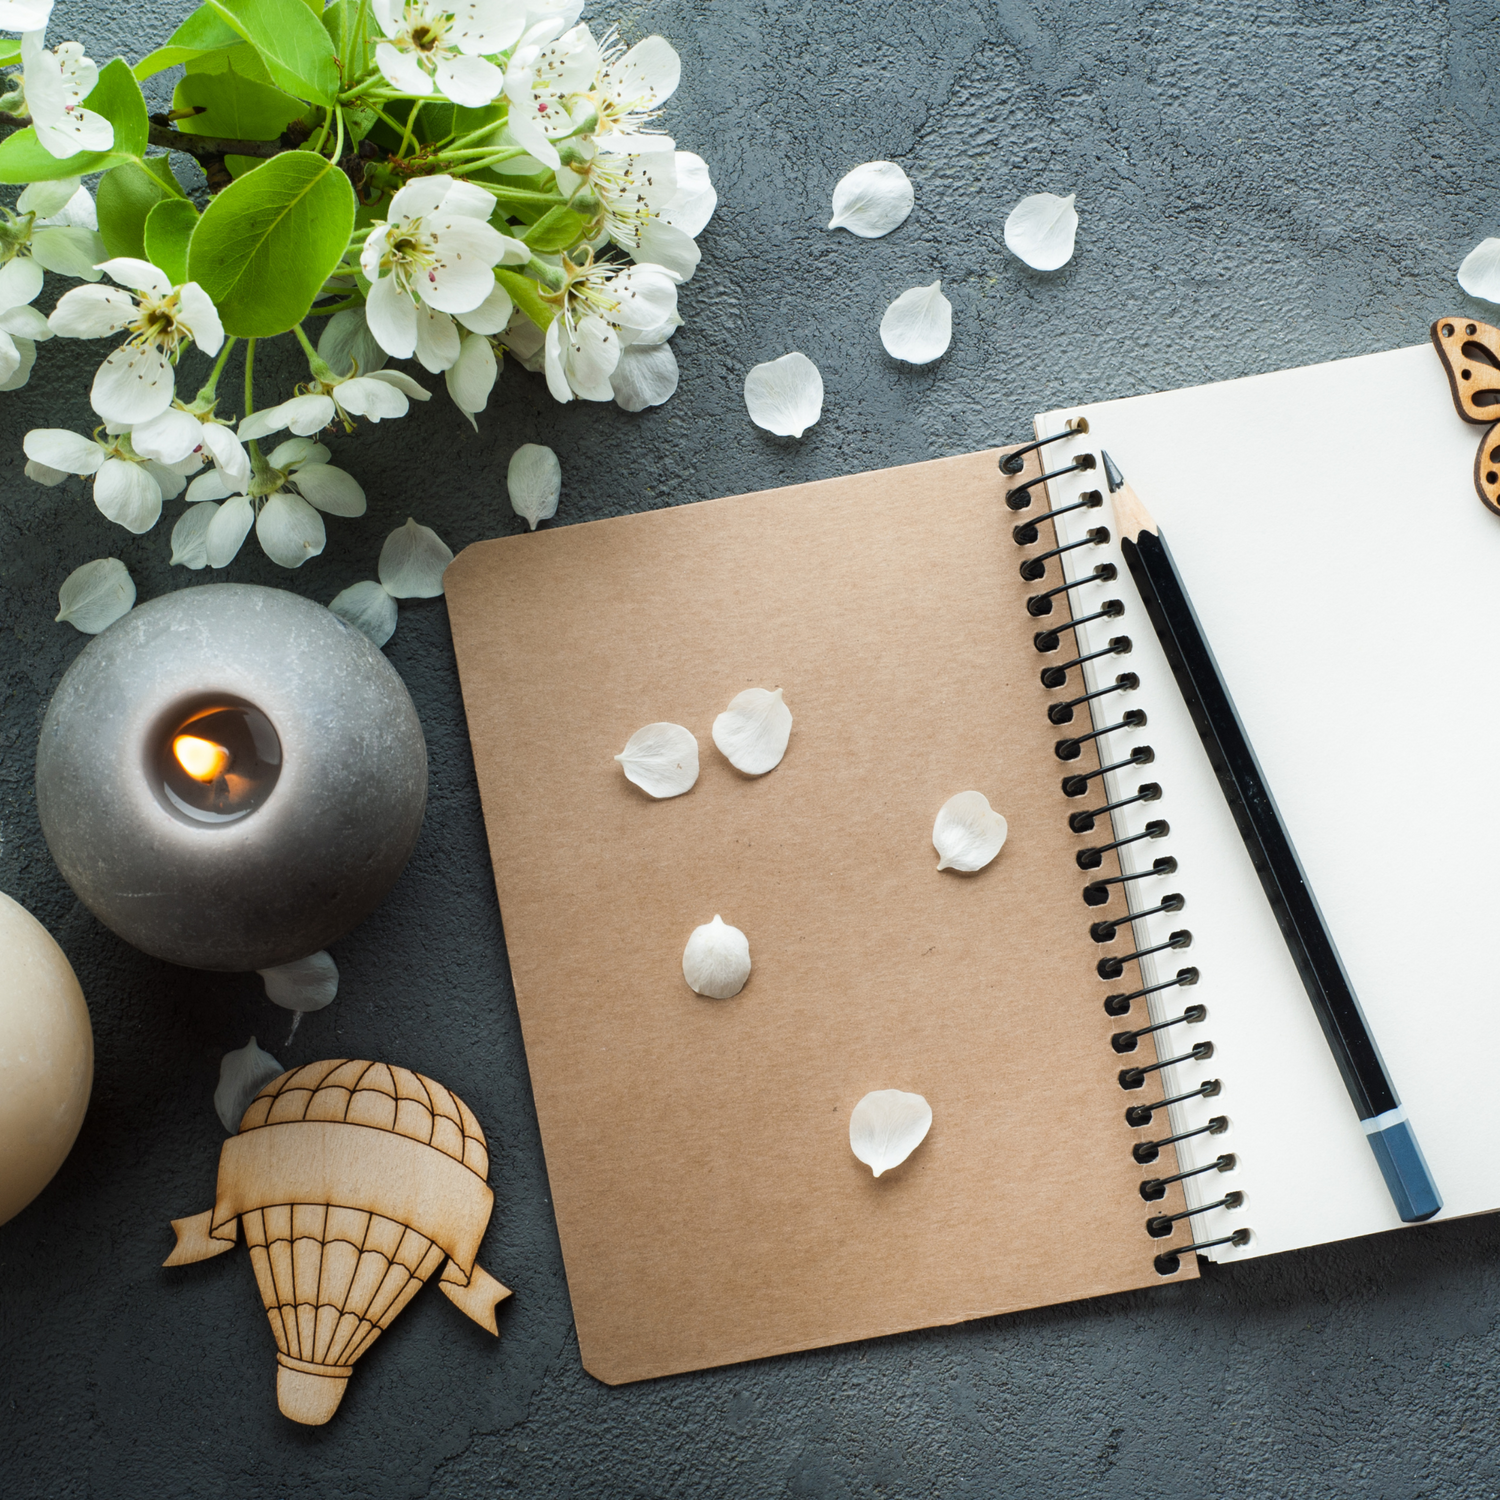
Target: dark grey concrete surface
{"points": [[1260, 185]]}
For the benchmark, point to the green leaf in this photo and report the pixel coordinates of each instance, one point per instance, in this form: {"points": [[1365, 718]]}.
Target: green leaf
{"points": [[10, 51], [242, 58], [169, 227], [116, 96], [126, 195], [234, 107], [557, 229], [202, 32], [523, 292], [267, 243], [291, 41]]}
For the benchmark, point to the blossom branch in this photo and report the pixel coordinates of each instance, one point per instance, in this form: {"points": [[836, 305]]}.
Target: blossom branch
{"points": [[207, 147]]}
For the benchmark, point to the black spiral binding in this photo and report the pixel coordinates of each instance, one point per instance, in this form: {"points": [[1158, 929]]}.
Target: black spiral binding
{"points": [[1096, 893]]}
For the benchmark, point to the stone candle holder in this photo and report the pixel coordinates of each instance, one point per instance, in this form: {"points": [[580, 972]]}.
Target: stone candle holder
{"points": [[230, 777]]}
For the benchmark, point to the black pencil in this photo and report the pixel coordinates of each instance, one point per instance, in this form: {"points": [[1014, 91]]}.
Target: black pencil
{"points": [[1271, 852]]}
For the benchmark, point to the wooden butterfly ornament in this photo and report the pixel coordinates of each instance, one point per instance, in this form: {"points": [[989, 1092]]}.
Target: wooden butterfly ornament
{"points": [[1470, 353]]}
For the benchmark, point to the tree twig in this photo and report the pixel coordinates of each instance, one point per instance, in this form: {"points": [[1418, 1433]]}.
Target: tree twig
{"points": [[207, 147]]}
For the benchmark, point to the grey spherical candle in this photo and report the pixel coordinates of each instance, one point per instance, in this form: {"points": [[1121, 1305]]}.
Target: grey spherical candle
{"points": [[230, 777]]}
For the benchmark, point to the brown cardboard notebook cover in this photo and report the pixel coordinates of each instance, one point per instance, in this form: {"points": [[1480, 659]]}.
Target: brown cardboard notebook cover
{"points": [[709, 1206]]}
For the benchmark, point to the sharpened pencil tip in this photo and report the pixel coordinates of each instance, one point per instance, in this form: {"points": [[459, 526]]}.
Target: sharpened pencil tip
{"points": [[1113, 477]]}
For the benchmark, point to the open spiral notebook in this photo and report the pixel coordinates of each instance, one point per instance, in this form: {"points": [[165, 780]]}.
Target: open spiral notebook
{"points": [[708, 1204]]}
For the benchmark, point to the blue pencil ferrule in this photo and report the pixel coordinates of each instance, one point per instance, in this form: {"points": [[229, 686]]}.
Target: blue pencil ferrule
{"points": [[1403, 1166]]}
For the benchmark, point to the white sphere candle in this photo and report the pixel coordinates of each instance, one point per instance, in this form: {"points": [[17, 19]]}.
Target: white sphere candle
{"points": [[46, 1057]]}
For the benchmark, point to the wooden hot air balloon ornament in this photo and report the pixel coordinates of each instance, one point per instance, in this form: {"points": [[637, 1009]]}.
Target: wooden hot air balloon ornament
{"points": [[353, 1180], [1470, 352]]}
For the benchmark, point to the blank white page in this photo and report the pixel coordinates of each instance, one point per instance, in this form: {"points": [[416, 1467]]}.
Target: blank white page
{"points": [[1345, 572]]}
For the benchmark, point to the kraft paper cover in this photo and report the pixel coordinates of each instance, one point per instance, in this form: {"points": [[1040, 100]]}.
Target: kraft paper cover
{"points": [[709, 1207]]}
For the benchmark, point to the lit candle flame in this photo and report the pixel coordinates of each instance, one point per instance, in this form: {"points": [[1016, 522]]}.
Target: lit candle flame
{"points": [[203, 760]]}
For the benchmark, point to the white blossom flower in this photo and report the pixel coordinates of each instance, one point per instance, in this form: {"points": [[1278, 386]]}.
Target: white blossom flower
{"points": [[380, 394], [21, 325], [541, 80], [57, 83], [58, 227], [178, 433], [603, 306], [297, 484], [431, 258], [440, 43], [128, 489], [137, 382], [633, 191], [693, 204], [631, 87]]}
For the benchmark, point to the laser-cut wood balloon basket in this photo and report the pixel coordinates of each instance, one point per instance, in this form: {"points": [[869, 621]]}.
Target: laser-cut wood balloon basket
{"points": [[353, 1181]]}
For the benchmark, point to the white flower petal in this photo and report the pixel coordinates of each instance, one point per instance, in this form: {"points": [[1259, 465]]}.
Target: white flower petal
{"points": [[661, 759], [646, 376], [785, 395], [228, 529], [534, 480], [10, 358], [169, 477], [471, 377], [752, 733], [96, 595], [413, 561], [138, 275], [167, 438], [402, 70], [1041, 229], [226, 450], [469, 81], [557, 378], [886, 1126], [716, 960], [296, 450], [470, 199], [42, 474], [243, 1073], [47, 198], [25, 323], [24, 15], [589, 358], [347, 344], [392, 317], [692, 205], [289, 530], [374, 399], [69, 250], [25, 359], [20, 281], [437, 339], [872, 200], [264, 422], [649, 73], [664, 244], [404, 383], [85, 312], [214, 485], [369, 609], [308, 984], [491, 315], [918, 325], [133, 385], [968, 832], [330, 489], [201, 316], [60, 449], [307, 414], [127, 494], [190, 535], [1479, 275]]}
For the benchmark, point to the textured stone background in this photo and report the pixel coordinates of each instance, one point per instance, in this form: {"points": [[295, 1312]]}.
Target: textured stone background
{"points": [[1259, 186]]}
